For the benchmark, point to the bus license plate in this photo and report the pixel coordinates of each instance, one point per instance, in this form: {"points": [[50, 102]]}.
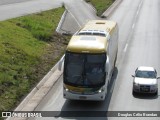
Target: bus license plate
{"points": [[82, 97], [145, 89]]}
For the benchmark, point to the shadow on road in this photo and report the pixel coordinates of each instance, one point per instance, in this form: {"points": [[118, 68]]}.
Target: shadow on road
{"points": [[91, 109], [145, 96]]}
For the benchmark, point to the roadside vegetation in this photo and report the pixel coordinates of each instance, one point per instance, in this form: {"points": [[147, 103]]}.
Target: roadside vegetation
{"points": [[29, 48], [101, 5]]}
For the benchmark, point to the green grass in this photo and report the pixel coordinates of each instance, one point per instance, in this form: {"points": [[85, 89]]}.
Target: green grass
{"points": [[27, 52], [101, 5]]}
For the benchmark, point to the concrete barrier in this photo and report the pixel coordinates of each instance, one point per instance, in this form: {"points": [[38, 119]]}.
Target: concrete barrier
{"points": [[111, 9]]}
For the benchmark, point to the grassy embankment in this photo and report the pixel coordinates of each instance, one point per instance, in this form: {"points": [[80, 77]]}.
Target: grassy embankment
{"points": [[29, 47], [101, 5]]}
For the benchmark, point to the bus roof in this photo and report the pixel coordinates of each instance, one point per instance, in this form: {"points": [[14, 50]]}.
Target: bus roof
{"points": [[87, 44], [100, 25], [92, 38]]}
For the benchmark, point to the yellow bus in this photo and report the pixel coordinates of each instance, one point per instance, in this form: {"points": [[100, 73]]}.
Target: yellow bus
{"points": [[90, 60]]}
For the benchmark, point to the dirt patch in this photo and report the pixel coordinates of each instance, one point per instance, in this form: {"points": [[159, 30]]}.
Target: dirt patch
{"points": [[54, 50]]}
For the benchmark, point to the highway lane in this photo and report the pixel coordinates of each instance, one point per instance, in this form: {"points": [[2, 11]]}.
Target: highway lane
{"points": [[142, 49], [5, 2], [138, 45]]}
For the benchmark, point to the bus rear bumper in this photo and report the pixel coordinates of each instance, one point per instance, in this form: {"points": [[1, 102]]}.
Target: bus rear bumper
{"points": [[92, 97]]}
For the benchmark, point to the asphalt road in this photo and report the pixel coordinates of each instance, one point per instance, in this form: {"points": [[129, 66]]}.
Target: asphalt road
{"points": [[138, 22], [138, 45], [15, 8], [6, 2]]}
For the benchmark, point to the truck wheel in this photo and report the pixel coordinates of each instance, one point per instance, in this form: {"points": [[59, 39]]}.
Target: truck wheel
{"points": [[133, 92], [156, 93]]}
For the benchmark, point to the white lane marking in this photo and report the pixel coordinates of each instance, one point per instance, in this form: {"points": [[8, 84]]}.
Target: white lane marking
{"points": [[138, 12], [140, 4], [133, 26], [125, 48], [139, 7]]}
